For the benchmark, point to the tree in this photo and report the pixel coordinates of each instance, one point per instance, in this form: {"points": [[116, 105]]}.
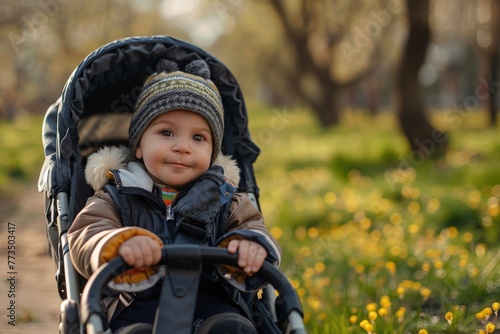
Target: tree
{"points": [[423, 138], [491, 58], [316, 31], [41, 42], [494, 61]]}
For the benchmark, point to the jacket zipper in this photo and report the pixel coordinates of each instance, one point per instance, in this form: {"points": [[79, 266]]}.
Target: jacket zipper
{"points": [[170, 213]]}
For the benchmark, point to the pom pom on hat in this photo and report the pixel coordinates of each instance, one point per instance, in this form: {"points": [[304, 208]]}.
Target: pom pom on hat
{"points": [[198, 67], [166, 65], [171, 89]]}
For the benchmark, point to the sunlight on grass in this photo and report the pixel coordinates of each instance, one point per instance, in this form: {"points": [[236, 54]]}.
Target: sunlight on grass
{"points": [[21, 151], [371, 243], [371, 247]]}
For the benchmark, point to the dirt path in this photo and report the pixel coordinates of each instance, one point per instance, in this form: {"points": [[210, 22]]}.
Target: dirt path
{"points": [[36, 299]]}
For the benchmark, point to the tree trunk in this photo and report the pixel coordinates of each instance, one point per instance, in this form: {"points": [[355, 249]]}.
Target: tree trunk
{"points": [[493, 63], [323, 104], [327, 108], [486, 87], [424, 140], [372, 96], [326, 104], [298, 27]]}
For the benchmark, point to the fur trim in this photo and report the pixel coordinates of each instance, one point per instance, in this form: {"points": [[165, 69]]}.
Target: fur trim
{"points": [[100, 162], [231, 169], [112, 157]]}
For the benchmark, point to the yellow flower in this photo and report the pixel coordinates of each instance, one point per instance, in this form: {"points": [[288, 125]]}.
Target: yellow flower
{"points": [[474, 272], [484, 314], [319, 267], [277, 232], [413, 208], [363, 323], [390, 266], [423, 331], [495, 306], [313, 303], [401, 292], [385, 301], [372, 315], [400, 313], [295, 283], [369, 328], [371, 307], [359, 268], [383, 312], [353, 319], [313, 232], [449, 317], [490, 328], [482, 331], [487, 311], [425, 292]]}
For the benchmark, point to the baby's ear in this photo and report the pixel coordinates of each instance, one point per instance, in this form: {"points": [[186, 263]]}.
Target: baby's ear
{"points": [[138, 152]]}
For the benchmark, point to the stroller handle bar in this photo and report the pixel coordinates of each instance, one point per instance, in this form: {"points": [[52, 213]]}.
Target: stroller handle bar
{"points": [[93, 315]]}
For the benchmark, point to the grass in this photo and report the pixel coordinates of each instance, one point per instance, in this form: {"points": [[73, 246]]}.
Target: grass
{"points": [[370, 245], [362, 233], [21, 153]]}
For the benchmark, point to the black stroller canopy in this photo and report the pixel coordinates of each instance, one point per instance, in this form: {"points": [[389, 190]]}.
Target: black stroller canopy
{"points": [[97, 101]]}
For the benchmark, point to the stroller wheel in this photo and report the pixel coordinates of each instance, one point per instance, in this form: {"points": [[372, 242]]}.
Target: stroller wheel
{"points": [[69, 320]]}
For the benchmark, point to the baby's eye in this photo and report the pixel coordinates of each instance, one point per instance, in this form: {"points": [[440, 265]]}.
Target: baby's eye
{"points": [[166, 133], [198, 138]]}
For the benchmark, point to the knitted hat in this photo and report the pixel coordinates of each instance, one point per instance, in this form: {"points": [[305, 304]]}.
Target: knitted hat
{"points": [[171, 89]]}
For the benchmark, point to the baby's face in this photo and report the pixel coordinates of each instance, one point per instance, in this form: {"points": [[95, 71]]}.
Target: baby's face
{"points": [[176, 148]]}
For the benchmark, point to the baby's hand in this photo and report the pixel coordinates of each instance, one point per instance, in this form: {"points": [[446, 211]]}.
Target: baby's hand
{"points": [[251, 255], [140, 251]]}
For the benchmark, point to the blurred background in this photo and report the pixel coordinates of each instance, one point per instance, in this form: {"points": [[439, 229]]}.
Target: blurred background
{"points": [[378, 125], [329, 56]]}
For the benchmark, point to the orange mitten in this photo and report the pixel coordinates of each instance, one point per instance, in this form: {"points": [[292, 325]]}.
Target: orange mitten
{"points": [[134, 279]]}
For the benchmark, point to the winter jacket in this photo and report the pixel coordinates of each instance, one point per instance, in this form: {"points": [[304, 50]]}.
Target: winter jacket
{"points": [[99, 226]]}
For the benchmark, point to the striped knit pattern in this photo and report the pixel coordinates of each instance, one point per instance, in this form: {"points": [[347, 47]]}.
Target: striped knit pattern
{"points": [[165, 92]]}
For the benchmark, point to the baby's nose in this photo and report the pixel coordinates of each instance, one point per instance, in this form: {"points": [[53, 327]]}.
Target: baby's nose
{"points": [[181, 146]]}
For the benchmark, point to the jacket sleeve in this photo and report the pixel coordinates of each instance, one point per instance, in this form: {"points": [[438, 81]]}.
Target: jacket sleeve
{"points": [[246, 222], [96, 234]]}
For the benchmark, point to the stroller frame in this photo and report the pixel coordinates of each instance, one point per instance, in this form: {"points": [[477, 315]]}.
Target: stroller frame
{"points": [[107, 82], [193, 254]]}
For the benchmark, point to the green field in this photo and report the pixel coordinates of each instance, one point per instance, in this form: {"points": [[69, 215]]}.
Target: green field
{"points": [[21, 153], [364, 233], [371, 234]]}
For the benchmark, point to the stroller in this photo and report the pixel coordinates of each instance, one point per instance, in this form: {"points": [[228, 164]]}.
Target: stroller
{"points": [[94, 111]]}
